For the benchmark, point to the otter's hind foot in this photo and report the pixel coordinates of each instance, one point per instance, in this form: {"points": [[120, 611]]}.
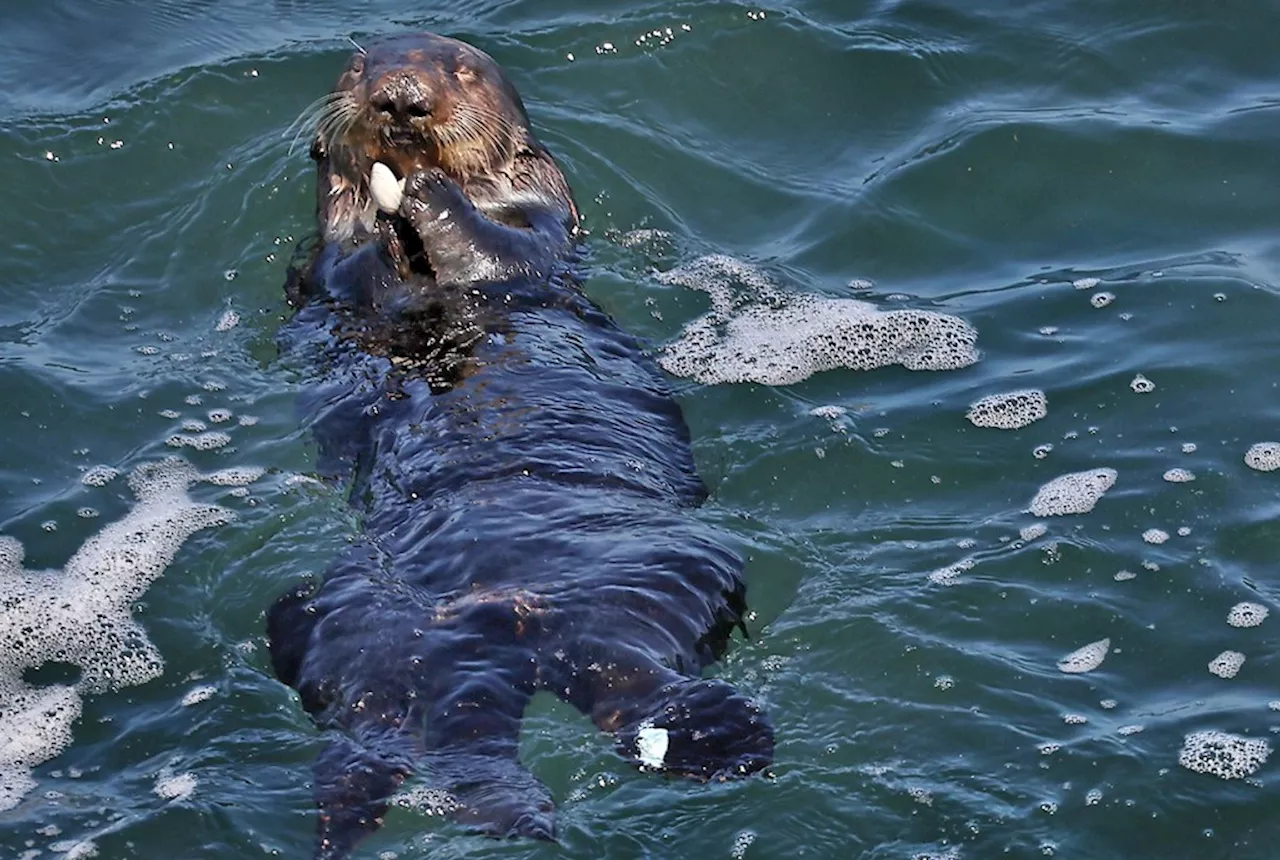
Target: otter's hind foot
{"points": [[704, 729]]}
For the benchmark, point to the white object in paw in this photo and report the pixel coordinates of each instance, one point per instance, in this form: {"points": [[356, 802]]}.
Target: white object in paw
{"points": [[387, 191], [651, 742]]}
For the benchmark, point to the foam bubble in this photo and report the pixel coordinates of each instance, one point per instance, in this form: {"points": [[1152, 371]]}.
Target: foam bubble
{"points": [[82, 850], [831, 413], [200, 441], [218, 416], [1085, 283], [429, 801], [1101, 300], [235, 476], [1009, 411], [1086, 658], [1223, 755], [99, 476], [1033, 531], [1155, 536], [81, 616], [1227, 664], [228, 321], [175, 786], [1179, 476], [756, 332], [1264, 456], [1124, 575], [1073, 493], [951, 574], [196, 695], [1247, 614], [1142, 385]]}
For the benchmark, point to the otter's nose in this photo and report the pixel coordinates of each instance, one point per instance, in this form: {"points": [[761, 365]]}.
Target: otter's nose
{"points": [[401, 97]]}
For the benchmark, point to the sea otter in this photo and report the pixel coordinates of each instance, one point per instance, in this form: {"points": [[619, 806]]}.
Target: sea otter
{"points": [[523, 477]]}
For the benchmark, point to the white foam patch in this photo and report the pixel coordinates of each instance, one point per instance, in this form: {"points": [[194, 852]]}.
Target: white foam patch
{"points": [[1227, 664], [82, 850], [429, 801], [1033, 531], [228, 321], [1264, 456], [236, 476], [81, 616], [1223, 755], [1009, 411], [196, 695], [1155, 536], [1247, 614], [1086, 658], [1142, 385], [99, 476], [175, 786], [651, 744], [952, 574], [757, 332], [1074, 493], [1179, 476], [200, 441]]}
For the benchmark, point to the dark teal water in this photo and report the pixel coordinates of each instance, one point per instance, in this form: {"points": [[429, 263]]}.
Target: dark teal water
{"points": [[973, 159]]}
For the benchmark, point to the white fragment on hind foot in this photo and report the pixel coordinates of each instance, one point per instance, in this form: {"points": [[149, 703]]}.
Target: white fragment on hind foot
{"points": [[387, 191], [651, 742]]}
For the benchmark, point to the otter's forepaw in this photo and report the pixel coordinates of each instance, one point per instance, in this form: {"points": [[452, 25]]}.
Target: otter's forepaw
{"points": [[431, 199]]}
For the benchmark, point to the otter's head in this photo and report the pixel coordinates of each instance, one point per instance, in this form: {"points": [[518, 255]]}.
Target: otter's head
{"points": [[418, 102]]}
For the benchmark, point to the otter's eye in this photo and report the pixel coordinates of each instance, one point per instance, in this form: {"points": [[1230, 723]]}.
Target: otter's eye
{"points": [[357, 64]]}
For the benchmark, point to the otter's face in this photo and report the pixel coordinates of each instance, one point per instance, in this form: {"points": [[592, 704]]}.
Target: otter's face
{"points": [[414, 103]]}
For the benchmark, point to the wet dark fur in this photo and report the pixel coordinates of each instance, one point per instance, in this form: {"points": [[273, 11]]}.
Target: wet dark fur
{"points": [[523, 476]]}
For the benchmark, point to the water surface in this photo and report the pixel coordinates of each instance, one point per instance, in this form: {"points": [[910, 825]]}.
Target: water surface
{"points": [[983, 160]]}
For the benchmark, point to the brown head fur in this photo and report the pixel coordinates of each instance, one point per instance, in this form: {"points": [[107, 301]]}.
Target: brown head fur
{"points": [[423, 101]]}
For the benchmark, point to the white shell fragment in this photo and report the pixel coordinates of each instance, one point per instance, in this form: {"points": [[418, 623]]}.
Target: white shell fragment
{"points": [[387, 191], [651, 742], [1085, 659]]}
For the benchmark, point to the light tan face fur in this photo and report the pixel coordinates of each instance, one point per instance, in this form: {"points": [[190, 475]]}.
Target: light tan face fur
{"points": [[413, 103]]}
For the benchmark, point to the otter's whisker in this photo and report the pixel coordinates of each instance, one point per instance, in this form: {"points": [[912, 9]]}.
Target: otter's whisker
{"points": [[317, 113], [312, 109]]}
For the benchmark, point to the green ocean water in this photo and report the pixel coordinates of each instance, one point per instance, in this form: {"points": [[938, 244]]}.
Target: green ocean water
{"points": [[985, 160]]}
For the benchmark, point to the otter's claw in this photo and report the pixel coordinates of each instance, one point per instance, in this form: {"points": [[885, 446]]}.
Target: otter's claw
{"points": [[430, 195]]}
